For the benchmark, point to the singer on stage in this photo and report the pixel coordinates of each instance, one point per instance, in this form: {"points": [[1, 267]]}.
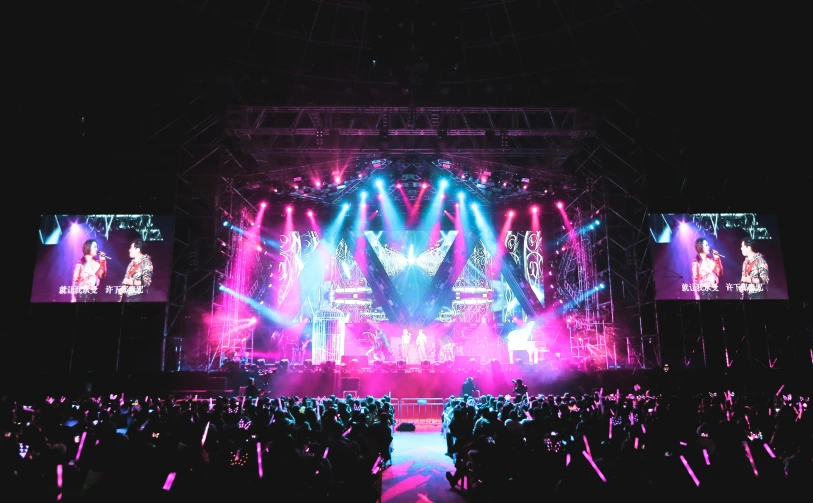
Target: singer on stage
{"points": [[707, 269], [755, 277], [88, 273], [406, 337], [138, 277]]}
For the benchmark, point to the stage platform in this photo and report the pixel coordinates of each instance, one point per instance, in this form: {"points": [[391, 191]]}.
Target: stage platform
{"points": [[411, 383]]}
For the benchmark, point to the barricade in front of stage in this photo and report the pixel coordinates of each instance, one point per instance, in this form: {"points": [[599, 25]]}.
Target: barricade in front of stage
{"points": [[419, 411]]}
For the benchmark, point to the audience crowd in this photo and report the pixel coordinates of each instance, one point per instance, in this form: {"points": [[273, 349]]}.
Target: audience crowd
{"points": [[503, 447]]}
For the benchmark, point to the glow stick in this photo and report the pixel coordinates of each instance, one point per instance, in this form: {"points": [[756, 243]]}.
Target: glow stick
{"points": [[636, 442], [706, 457], [728, 415], [59, 476], [780, 389], [587, 445], [205, 432], [632, 418], [593, 464], [643, 429], [376, 465], [81, 444], [567, 459], [689, 469], [243, 403], [211, 405], [347, 432], [684, 444], [169, 481], [751, 458], [611, 428], [259, 460], [324, 456], [770, 451]]}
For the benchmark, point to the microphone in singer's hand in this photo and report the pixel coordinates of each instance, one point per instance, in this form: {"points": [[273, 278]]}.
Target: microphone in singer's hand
{"points": [[715, 252]]}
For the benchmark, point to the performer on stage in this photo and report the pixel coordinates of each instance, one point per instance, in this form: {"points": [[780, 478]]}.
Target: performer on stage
{"points": [[406, 338], [138, 277], [519, 388], [420, 342], [755, 277], [706, 271], [88, 273]]}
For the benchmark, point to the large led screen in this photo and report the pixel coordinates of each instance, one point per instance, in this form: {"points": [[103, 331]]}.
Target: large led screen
{"points": [[103, 258], [724, 256]]}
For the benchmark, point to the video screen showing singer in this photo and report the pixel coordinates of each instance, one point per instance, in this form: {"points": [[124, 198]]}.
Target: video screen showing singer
{"points": [[88, 273], [137, 279], [707, 269]]}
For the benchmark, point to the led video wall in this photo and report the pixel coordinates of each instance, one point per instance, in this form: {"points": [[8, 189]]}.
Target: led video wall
{"points": [[103, 258], [717, 256]]}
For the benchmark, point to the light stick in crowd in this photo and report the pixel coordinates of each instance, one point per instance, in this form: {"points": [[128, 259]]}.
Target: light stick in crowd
{"points": [[770, 451], [780, 390], [636, 442], [750, 458], [611, 428], [643, 428], [593, 464], [377, 465], [81, 444], [259, 460], [567, 459], [169, 481], [243, 403], [205, 432], [689, 469], [706, 457], [324, 456], [59, 481], [586, 444], [347, 432]]}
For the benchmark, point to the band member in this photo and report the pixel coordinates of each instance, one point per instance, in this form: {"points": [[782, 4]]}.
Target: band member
{"points": [[88, 273], [707, 269], [406, 338], [138, 277], [382, 345], [755, 277], [519, 388], [420, 342]]}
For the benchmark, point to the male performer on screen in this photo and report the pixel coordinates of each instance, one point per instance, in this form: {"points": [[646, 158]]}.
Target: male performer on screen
{"points": [[706, 271], [88, 273], [755, 278], [138, 277]]}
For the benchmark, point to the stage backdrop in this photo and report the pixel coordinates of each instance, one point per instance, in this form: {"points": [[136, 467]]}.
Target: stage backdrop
{"points": [[674, 240], [64, 239]]}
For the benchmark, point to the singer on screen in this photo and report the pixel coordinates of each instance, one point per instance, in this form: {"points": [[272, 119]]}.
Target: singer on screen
{"points": [[755, 277], [707, 268], [88, 273], [138, 277]]}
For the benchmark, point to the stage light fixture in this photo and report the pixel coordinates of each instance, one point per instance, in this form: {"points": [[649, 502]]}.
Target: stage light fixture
{"points": [[310, 213], [263, 204], [559, 205], [461, 195], [289, 209], [444, 183], [225, 223]]}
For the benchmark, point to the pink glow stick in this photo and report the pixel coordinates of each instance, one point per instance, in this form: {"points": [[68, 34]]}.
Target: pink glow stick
{"points": [[81, 444], [59, 476], [770, 451], [259, 460], [684, 444], [747, 421], [567, 459], [169, 481], [205, 433], [324, 456], [243, 403], [347, 432], [689, 469], [636, 442], [593, 464], [377, 465], [751, 458], [780, 390], [611, 428], [728, 415], [632, 418], [643, 429], [706, 457]]}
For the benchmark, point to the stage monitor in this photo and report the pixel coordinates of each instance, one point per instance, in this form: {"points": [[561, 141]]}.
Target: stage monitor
{"points": [[717, 256], [103, 258]]}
